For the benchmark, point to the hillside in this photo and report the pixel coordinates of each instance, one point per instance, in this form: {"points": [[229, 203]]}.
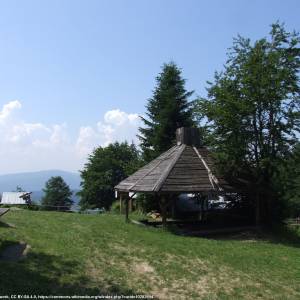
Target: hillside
{"points": [[98, 254], [35, 181]]}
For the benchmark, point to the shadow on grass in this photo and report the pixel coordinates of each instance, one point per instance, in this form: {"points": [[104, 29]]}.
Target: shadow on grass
{"points": [[284, 235], [45, 275], [5, 225], [276, 235], [279, 236]]}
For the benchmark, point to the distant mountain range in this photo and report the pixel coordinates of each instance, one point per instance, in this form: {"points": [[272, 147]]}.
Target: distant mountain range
{"points": [[35, 181]]}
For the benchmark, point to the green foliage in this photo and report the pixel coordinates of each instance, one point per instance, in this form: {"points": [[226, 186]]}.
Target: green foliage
{"points": [[105, 168], [57, 193], [146, 203], [115, 207], [289, 181], [167, 110], [253, 110]]}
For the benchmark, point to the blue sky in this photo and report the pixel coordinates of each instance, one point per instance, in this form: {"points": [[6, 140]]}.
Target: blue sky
{"points": [[77, 67]]}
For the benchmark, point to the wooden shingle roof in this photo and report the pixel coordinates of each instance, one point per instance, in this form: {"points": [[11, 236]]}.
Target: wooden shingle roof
{"points": [[183, 168]]}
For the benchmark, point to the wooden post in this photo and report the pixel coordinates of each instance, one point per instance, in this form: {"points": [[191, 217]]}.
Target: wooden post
{"points": [[130, 204], [121, 204], [202, 208], [173, 206], [163, 207], [205, 205], [126, 209], [206, 208]]}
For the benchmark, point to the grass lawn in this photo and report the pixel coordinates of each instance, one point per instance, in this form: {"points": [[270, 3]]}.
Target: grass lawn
{"points": [[100, 254]]}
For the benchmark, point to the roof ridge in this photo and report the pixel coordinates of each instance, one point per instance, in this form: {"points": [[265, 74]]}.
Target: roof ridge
{"points": [[168, 170], [156, 165], [211, 176]]}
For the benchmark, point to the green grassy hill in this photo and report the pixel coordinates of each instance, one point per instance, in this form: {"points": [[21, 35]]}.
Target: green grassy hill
{"points": [[99, 254]]}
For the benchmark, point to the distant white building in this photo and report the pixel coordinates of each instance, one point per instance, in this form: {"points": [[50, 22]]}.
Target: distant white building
{"points": [[13, 198]]}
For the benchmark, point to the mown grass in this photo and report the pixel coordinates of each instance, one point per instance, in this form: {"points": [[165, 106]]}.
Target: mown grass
{"points": [[100, 254]]}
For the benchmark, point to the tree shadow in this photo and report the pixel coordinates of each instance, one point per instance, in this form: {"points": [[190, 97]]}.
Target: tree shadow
{"points": [[44, 274], [13, 251], [279, 235], [283, 235], [5, 225]]}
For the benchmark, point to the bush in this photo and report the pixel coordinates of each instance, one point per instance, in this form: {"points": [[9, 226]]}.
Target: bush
{"points": [[115, 207]]}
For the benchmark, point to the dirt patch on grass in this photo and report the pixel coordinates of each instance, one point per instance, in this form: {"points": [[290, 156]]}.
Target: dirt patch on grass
{"points": [[125, 248], [143, 267]]}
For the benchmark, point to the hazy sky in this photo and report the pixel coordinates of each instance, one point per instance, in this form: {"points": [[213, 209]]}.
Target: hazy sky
{"points": [[76, 74]]}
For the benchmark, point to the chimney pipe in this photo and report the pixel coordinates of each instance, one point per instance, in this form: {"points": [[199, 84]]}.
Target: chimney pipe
{"points": [[189, 136]]}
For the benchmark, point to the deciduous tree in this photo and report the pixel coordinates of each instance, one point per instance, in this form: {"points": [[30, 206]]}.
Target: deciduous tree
{"points": [[105, 168], [253, 112]]}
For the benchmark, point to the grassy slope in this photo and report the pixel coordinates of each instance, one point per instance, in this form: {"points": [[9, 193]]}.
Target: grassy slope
{"points": [[93, 254]]}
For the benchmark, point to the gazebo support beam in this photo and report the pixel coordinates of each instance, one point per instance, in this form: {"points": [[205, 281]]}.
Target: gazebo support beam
{"points": [[163, 211], [128, 204], [121, 204], [126, 209]]}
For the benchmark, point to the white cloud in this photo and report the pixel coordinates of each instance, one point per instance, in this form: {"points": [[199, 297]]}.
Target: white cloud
{"points": [[117, 125], [29, 146], [87, 140], [8, 109], [118, 118], [26, 146]]}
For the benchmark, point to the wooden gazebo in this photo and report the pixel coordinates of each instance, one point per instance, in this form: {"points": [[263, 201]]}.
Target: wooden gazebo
{"points": [[187, 167]]}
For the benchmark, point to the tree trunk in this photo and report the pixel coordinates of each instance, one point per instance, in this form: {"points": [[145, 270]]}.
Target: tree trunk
{"points": [[258, 211]]}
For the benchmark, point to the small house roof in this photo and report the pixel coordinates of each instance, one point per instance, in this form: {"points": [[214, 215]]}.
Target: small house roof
{"points": [[186, 167], [13, 198]]}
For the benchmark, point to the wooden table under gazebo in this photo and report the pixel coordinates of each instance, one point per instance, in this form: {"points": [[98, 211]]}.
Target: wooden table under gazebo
{"points": [[187, 167]]}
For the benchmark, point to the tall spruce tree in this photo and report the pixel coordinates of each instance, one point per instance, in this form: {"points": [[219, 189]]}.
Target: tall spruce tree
{"points": [[168, 109], [253, 109]]}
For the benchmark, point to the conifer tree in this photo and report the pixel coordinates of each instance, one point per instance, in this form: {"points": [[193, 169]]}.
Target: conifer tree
{"points": [[57, 194], [168, 109]]}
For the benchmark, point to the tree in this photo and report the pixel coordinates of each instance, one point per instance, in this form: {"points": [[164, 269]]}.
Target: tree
{"points": [[253, 112], [57, 194], [105, 168], [289, 181], [167, 110], [18, 189]]}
